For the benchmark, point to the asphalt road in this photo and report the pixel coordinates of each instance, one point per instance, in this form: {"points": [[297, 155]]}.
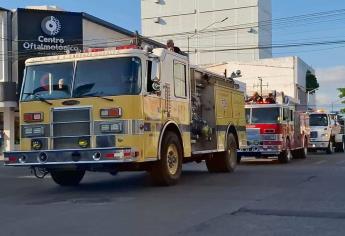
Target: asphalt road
{"points": [[305, 197]]}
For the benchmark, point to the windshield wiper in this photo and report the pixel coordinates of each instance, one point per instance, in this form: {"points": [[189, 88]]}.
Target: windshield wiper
{"points": [[98, 96], [39, 98], [105, 98]]}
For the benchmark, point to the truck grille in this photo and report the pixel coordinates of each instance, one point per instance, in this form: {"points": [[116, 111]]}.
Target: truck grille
{"points": [[253, 136], [313, 134], [69, 126]]}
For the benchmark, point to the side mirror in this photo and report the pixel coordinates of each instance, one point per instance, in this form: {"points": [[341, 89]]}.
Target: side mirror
{"points": [[156, 85]]}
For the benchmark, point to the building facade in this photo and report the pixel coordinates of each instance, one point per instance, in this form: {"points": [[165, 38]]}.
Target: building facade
{"points": [[43, 31], [213, 31], [287, 74]]}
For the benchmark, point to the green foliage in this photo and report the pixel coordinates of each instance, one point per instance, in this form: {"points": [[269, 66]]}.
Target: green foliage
{"points": [[342, 95], [311, 82], [342, 92]]}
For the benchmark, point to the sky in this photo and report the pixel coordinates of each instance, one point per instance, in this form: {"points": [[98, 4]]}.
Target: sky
{"points": [[327, 60]]}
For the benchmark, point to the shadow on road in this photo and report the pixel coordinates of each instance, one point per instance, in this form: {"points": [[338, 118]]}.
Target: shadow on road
{"points": [[251, 162]]}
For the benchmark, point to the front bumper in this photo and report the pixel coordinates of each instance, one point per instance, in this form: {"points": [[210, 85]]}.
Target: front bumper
{"points": [[318, 145], [259, 151], [71, 157]]}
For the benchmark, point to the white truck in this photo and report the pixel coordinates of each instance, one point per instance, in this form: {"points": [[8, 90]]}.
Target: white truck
{"points": [[326, 133], [340, 137]]}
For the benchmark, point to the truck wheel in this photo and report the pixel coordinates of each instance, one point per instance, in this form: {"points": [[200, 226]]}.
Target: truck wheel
{"points": [[167, 170], [113, 173], [239, 159], [304, 150], [330, 148], [68, 177], [340, 147], [286, 155], [224, 161]]}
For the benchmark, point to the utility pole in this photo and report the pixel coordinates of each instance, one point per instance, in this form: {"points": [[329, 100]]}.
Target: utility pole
{"points": [[334, 102], [260, 85], [308, 96]]}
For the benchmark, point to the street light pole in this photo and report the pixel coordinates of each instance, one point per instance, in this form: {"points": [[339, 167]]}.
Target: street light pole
{"points": [[308, 95], [339, 100]]}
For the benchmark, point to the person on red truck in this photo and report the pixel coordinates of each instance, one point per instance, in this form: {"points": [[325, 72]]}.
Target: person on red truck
{"points": [[270, 99], [255, 98]]}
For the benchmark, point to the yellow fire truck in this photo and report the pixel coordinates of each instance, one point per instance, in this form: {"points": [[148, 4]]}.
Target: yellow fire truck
{"points": [[126, 109]]}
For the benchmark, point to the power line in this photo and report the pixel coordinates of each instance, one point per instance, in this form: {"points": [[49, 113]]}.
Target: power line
{"points": [[298, 19]]}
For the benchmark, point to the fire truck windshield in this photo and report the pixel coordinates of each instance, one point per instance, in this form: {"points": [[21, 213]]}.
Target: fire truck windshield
{"points": [[265, 115], [318, 120], [48, 81], [92, 78], [108, 77]]}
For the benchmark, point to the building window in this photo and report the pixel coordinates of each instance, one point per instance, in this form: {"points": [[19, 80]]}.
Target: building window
{"points": [[180, 80]]}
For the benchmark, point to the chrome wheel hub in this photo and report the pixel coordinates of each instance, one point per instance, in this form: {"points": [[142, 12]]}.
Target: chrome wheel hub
{"points": [[233, 159], [289, 154], [172, 159]]}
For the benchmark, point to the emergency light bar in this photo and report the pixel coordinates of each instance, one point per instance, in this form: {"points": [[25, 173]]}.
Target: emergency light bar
{"points": [[129, 46]]}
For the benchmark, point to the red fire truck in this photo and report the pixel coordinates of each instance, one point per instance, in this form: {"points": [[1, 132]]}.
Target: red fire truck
{"points": [[276, 129]]}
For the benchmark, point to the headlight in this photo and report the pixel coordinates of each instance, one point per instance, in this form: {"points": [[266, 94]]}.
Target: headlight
{"points": [[27, 131], [37, 131], [325, 135], [111, 128], [33, 131]]}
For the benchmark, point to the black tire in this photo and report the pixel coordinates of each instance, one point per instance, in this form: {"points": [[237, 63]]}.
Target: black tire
{"points": [[286, 155], [304, 150], [296, 154], [239, 159], [311, 150], [114, 173], [330, 149], [67, 178], [339, 147], [224, 161], [167, 170]]}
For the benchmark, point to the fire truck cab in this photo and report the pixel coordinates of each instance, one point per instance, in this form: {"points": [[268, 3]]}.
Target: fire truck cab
{"points": [[276, 130]]}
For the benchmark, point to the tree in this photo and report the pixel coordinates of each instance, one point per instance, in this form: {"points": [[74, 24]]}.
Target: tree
{"points": [[342, 95], [311, 82]]}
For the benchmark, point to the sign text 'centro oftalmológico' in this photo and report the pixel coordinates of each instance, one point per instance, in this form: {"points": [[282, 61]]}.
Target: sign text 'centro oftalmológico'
{"points": [[51, 26]]}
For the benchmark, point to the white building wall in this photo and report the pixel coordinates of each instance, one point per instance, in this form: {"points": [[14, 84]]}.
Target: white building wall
{"points": [[6, 108], [95, 35], [287, 74], [4, 46], [178, 19], [265, 29]]}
